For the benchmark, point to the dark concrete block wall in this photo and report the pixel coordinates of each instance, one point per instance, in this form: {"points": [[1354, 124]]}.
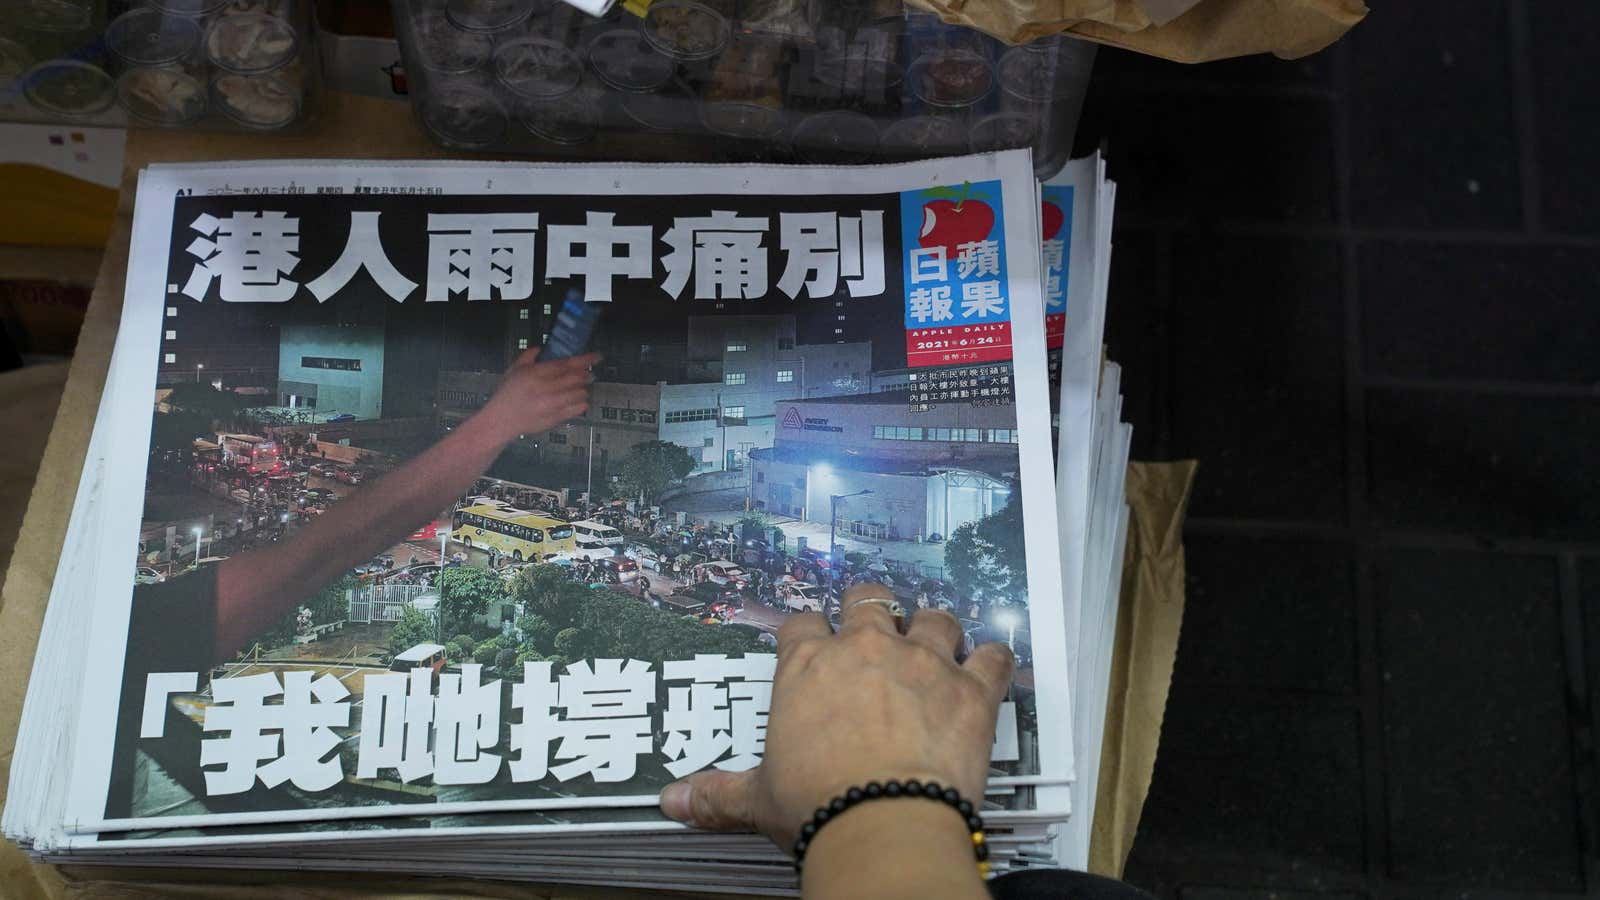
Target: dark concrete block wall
{"points": [[1364, 290]]}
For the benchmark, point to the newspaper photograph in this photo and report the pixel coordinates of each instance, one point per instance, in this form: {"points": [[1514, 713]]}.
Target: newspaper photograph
{"points": [[339, 580]]}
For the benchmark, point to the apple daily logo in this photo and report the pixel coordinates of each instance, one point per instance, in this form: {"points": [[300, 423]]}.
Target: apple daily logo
{"points": [[791, 419]]}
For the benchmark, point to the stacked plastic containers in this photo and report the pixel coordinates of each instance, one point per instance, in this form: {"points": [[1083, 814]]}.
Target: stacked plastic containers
{"points": [[227, 64], [814, 81]]}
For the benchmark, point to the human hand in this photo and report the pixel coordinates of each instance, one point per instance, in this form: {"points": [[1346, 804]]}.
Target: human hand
{"points": [[866, 704], [537, 396]]}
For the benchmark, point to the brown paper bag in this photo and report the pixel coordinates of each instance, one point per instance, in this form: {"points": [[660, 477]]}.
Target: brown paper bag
{"points": [[1212, 29]]}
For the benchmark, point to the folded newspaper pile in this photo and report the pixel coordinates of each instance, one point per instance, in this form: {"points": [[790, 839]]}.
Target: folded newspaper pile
{"points": [[304, 616]]}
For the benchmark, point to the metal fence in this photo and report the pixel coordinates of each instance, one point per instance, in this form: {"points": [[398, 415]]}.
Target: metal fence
{"points": [[909, 567], [382, 602]]}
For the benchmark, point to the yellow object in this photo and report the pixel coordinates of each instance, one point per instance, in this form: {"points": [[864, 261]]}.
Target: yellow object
{"points": [[49, 208]]}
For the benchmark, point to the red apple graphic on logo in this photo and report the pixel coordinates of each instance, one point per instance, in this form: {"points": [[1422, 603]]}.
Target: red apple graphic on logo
{"points": [[953, 219], [1051, 219]]}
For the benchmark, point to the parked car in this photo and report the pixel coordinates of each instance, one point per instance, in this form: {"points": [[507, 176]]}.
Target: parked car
{"points": [[147, 575], [816, 558], [645, 555], [341, 417], [800, 596], [684, 604], [765, 637], [422, 656], [721, 571], [617, 569], [709, 592], [422, 573]]}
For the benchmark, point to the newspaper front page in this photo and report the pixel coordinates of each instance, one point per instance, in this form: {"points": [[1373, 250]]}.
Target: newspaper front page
{"points": [[808, 377]]}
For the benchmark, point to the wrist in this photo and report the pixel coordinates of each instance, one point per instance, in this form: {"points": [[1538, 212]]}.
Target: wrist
{"points": [[893, 847], [492, 424]]}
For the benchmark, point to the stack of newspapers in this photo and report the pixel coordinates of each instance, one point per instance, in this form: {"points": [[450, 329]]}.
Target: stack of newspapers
{"points": [[308, 615]]}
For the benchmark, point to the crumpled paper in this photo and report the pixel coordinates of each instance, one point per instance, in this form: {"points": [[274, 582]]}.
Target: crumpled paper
{"points": [[1209, 30]]}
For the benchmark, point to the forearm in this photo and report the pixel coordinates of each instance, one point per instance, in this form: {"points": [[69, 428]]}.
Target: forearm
{"points": [[257, 589], [906, 848]]}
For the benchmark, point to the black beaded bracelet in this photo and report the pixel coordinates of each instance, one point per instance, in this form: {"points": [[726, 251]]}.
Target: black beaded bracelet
{"points": [[874, 790]]}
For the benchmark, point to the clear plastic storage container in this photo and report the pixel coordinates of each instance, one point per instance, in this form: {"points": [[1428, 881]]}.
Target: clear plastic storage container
{"points": [[224, 64], [817, 81]]}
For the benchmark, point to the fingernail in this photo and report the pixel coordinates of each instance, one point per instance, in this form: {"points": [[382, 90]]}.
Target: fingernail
{"points": [[675, 802]]}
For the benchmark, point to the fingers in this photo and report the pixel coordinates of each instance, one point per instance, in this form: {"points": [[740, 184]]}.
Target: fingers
{"points": [[992, 663], [573, 363], [803, 627], [937, 630], [714, 800], [868, 605]]}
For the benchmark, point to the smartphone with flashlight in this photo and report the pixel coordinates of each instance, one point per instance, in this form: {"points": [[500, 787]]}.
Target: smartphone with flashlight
{"points": [[573, 329]]}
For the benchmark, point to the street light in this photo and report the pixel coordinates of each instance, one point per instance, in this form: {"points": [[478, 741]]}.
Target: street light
{"points": [[1007, 619], [197, 368], [833, 513], [198, 531]]}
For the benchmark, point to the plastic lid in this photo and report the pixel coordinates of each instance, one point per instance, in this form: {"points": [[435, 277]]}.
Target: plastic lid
{"points": [[683, 29], [625, 60], [256, 101], [189, 8], [569, 120], [464, 115], [1028, 74], [14, 60], [1003, 131], [52, 15], [162, 96], [840, 137], [951, 78], [866, 60], [150, 37], [67, 87], [445, 48], [669, 110], [250, 43], [487, 15], [537, 68], [925, 136], [737, 118]]}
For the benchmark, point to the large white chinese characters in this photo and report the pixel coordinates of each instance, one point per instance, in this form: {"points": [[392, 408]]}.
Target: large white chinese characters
{"points": [[595, 719]]}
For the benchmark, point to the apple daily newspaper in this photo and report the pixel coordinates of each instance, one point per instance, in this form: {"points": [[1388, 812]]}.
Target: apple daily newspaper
{"points": [[809, 377]]}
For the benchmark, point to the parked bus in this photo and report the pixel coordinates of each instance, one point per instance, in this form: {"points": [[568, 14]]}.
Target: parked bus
{"points": [[515, 534], [257, 453], [596, 536]]}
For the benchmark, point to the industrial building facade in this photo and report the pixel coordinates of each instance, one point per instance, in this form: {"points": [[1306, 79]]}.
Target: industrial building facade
{"points": [[881, 470]]}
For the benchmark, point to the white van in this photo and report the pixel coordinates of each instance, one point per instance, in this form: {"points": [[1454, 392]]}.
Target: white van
{"points": [[593, 536]]}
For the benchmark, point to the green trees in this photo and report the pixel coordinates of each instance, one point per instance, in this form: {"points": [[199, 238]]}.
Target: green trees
{"points": [[986, 559], [193, 410], [465, 592], [413, 628], [650, 467], [565, 622], [202, 399]]}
